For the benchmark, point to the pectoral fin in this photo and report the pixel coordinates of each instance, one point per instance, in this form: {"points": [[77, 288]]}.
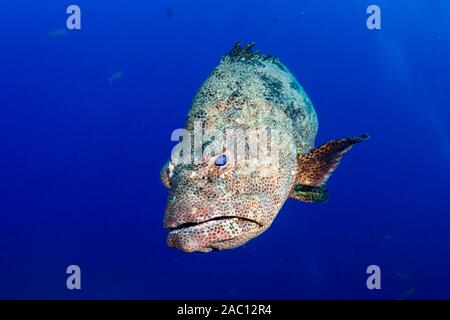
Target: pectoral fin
{"points": [[315, 167], [309, 193]]}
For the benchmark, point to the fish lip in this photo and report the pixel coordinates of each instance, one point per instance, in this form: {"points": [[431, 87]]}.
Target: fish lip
{"points": [[192, 224], [186, 238]]}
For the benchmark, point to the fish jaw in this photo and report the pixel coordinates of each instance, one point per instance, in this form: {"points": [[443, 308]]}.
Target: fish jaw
{"points": [[216, 234], [198, 225]]}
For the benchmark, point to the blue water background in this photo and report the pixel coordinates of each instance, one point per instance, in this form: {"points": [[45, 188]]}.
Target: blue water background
{"points": [[80, 159]]}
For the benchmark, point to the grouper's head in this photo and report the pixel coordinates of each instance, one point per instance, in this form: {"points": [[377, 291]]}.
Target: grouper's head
{"points": [[221, 203]]}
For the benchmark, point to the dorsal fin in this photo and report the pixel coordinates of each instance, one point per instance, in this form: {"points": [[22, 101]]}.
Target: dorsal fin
{"points": [[246, 54]]}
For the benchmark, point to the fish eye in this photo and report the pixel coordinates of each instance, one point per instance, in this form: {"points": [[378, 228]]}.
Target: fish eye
{"points": [[221, 160]]}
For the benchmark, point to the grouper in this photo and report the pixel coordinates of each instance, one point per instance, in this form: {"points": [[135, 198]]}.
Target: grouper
{"points": [[228, 186]]}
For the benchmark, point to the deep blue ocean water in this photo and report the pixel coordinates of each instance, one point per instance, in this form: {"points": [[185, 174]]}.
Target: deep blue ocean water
{"points": [[80, 159]]}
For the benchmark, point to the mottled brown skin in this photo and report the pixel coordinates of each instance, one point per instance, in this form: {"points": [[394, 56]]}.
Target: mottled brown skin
{"points": [[212, 207]]}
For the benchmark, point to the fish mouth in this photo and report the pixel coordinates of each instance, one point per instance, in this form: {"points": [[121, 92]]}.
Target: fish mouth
{"points": [[194, 224], [224, 232]]}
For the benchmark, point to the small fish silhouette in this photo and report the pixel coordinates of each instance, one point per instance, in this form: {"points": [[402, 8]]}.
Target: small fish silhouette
{"points": [[388, 237], [117, 75], [58, 33], [169, 13], [408, 293], [402, 275], [277, 33], [275, 19]]}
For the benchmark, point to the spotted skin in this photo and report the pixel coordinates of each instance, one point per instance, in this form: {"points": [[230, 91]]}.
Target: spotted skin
{"points": [[213, 207]]}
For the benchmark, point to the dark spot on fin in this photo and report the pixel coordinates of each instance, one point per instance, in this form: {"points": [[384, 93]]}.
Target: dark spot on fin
{"points": [[310, 194], [315, 167]]}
